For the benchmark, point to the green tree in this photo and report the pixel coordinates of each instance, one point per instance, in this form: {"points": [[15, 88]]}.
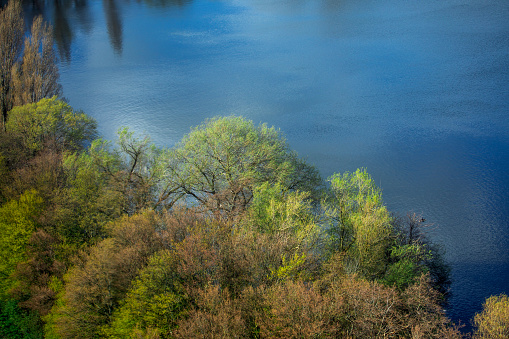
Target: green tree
{"points": [[95, 286], [157, 300], [18, 220], [51, 119], [358, 223], [408, 264], [413, 254], [15, 323], [220, 162], [286, 225]]}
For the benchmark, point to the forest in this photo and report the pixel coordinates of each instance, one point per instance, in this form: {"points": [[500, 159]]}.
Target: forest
{"points": [[227, 234]]}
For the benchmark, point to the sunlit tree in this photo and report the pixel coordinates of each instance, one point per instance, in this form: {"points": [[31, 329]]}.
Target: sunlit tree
{"points": [[493, 321], [219, 163]]}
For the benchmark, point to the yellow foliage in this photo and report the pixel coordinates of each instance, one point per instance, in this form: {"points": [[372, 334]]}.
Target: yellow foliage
{"points": [[493, 321]]}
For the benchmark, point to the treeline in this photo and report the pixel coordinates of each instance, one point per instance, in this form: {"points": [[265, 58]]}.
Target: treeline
{"points": [[228, 234]]}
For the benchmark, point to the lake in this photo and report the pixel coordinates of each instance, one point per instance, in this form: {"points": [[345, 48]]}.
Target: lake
{"points": [[417, 92]]}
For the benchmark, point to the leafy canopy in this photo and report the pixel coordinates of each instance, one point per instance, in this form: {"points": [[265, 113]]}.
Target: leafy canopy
{"points": [[220, 162], [51, 119]]}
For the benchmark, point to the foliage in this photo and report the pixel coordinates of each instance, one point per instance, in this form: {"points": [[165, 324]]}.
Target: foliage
{"points": [[222, 236], [131, 174], [28, 72], [414, 254], [406, 266], [358, 223], [51, 119], [95, 286], [11, 47], [18, 219], [157, 300], [18, 324], [37, 275], [220, 162], [216, 315], [36, 77], [493, 321]]}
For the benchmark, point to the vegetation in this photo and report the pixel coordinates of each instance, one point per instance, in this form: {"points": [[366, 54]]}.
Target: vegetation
{"points": [[493, 321], [28, 71], [229, 234]]}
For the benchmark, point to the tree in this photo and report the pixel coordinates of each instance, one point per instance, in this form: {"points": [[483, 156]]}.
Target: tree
{"points": [[11, 47], [132, 170], [414, 254], [220, 162], [50, 119], [358, 223], [36, 275], [156, 301], [28, 72], [96, 284], [37, 75], [15, 323], [493, 321], [284, 229], [18, 220]]}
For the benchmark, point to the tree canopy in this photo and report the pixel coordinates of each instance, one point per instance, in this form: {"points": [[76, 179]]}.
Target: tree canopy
{"points": [[227, 234], [53, 120], [219, 164]]}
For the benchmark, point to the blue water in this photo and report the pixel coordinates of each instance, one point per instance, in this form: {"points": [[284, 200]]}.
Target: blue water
{"points": [[415, 91]]}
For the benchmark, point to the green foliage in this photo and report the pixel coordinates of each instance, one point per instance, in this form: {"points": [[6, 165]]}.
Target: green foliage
{"points": [[220, 162], [18, 220], [38, 277], [51, 119], [248, 252], [122, 178], [408, 265], [414, 254], [285, 231], [493, 321], [289, 269], [108, 181], [96, 285], [88, 202], [157, 300], [15, 323], [358, 223], [276, 211]]}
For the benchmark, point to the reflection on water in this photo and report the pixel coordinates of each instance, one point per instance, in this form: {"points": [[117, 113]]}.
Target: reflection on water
{"points": [[114, 24], [69, 17]]}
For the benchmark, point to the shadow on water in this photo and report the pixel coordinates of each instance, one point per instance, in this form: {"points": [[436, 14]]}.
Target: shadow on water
{"points": [[71, 16]]}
